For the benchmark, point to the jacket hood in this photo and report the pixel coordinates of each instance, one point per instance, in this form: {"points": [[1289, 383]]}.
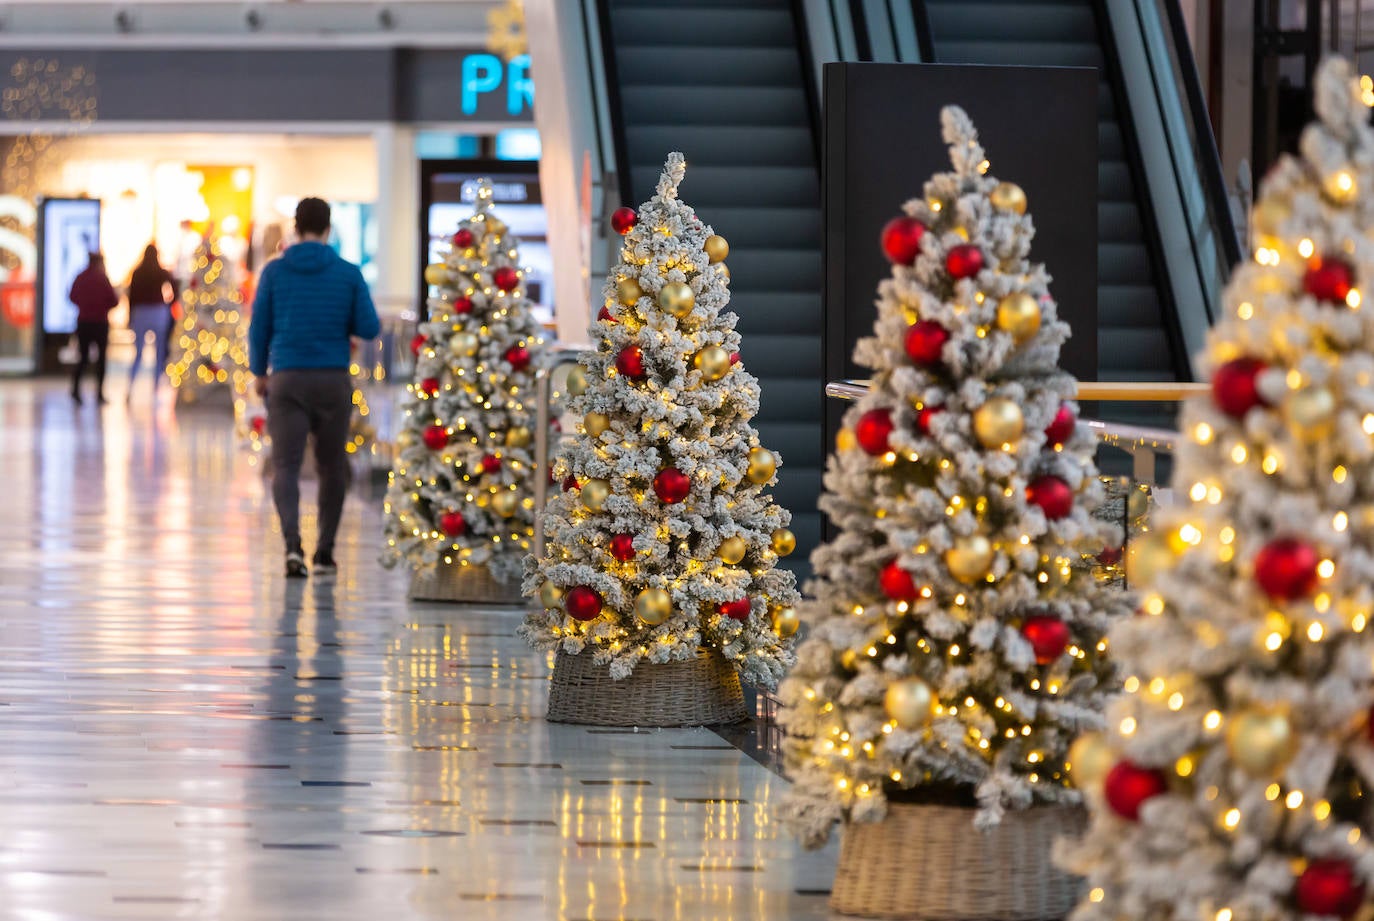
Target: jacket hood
{"points": [[309, 257]]}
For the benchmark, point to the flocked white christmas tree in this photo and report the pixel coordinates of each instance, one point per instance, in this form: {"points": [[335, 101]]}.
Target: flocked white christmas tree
{"points": [[957, 628], [462, 490], [1231, 784], [210, 349], [664, 540]]}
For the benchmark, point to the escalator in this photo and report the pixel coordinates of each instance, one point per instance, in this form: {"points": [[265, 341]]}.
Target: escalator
{"points": [[724, 81]]}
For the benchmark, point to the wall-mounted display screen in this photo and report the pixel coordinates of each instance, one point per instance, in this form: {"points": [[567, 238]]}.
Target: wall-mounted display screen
{"points": [[70, 233]]}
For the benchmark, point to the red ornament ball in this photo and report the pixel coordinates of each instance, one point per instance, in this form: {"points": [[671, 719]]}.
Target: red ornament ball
{"points": [[734, 358], [1128, 786], [462, 304], [926, 416], [1109, 556], [463, 238], [452, 524], [1061, 429], [518, 356], [1052, 494], [1234, 387], [1048, 636], [506, 278], [430, 385], [630, 363], [623, 547], [1286, 569], [873, 430], [671, 485], [1328, 279], [901, 240], [417, 343], [623, 220], [490, 463], [1328, 887], [924, 342], [569, 483], [582, 603], [436, 437], [897, 583], [259, 424], [964, 261], [735, 610], [604, 314]]}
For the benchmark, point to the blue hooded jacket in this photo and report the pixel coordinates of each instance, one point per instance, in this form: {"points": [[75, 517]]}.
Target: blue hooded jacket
{"points": [[309, 302]]}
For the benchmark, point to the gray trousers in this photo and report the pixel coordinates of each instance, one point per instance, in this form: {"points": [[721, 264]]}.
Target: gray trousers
{"points": [[301, 404]]}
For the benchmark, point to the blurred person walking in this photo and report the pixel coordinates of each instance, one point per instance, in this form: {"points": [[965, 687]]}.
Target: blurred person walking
{"points": [[94, 298], [151, 292], [309, 303]]}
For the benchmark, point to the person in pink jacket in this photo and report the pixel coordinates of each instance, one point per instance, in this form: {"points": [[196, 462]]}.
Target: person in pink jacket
{"points": [[94, 298]]}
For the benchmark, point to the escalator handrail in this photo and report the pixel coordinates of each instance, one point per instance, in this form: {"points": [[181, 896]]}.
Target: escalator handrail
{"points": [[624, 181]]}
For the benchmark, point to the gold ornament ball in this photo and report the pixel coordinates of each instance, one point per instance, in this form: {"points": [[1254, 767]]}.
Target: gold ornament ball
{"points": [[464, 344], [717, 248], [845, 440], [1019, 315], [998, 422], [970, 559], [653, 606], [577, 381], [1008, 196], [1260, 742], [725, 270], [596, 423], [495, 226], [518, 437], [762, 465], [1146, 557], [713, 362], [628, 291], [783, 541], [732, 550], [436, 274], [676, 298], [594, 494], [505, 503], [1138, 505], [1311, 412], [550, 595], [1090, 758], [785, 621], [910, 702]]}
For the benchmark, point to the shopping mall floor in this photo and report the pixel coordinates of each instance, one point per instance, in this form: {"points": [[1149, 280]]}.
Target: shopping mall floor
{"points": [[183, 734]]}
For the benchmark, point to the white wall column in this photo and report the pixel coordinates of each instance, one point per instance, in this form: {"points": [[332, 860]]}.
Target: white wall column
{"points": [[398, 221]]}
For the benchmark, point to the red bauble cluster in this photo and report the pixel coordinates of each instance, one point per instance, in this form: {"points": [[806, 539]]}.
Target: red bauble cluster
{"points": [[897, 583], [735, 610], [872, 431], [924, 342], [518, 356], [671, 485], [1287, 569], [462, 304], [1128, 786], [1329, 887], [1328, 279], [623, 547], [436, 437], [463, 238], [1061, 429], [506, 278], [430, 385], [453, 524], [926, 416], [490, 463], [623, 220], [1048, 636], [630, 363], [1235, 386], [417, 343], [1052, 494], [902, 239], [582, 603], [964, 261]]}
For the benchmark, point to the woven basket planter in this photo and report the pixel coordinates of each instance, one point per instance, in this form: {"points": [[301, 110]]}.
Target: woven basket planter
{"points": [[463, 583], [930, 863], [701, 691]]}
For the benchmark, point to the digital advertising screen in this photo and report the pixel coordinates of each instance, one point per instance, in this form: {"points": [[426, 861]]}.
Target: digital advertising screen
{"points": [[70, 233]]}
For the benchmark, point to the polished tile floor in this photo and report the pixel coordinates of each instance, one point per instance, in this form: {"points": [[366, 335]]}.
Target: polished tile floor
{"points": [[185, 735]]}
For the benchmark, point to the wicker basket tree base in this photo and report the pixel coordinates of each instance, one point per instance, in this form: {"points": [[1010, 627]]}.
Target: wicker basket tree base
{"points": [[929, 863], [464, 583], [701, 691]]}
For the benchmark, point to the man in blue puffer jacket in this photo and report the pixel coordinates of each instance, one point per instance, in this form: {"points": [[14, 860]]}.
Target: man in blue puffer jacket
{"points": [[308, 305]]}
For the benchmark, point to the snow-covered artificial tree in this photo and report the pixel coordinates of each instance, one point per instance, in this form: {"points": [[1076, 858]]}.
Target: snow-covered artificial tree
{"points": [[462, 490], [664, 540], [957, 632], [1230, 786], [210, 350]]}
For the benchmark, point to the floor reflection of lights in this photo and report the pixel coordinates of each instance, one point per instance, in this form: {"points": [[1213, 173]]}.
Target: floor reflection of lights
{"points": [[184, 735]]}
